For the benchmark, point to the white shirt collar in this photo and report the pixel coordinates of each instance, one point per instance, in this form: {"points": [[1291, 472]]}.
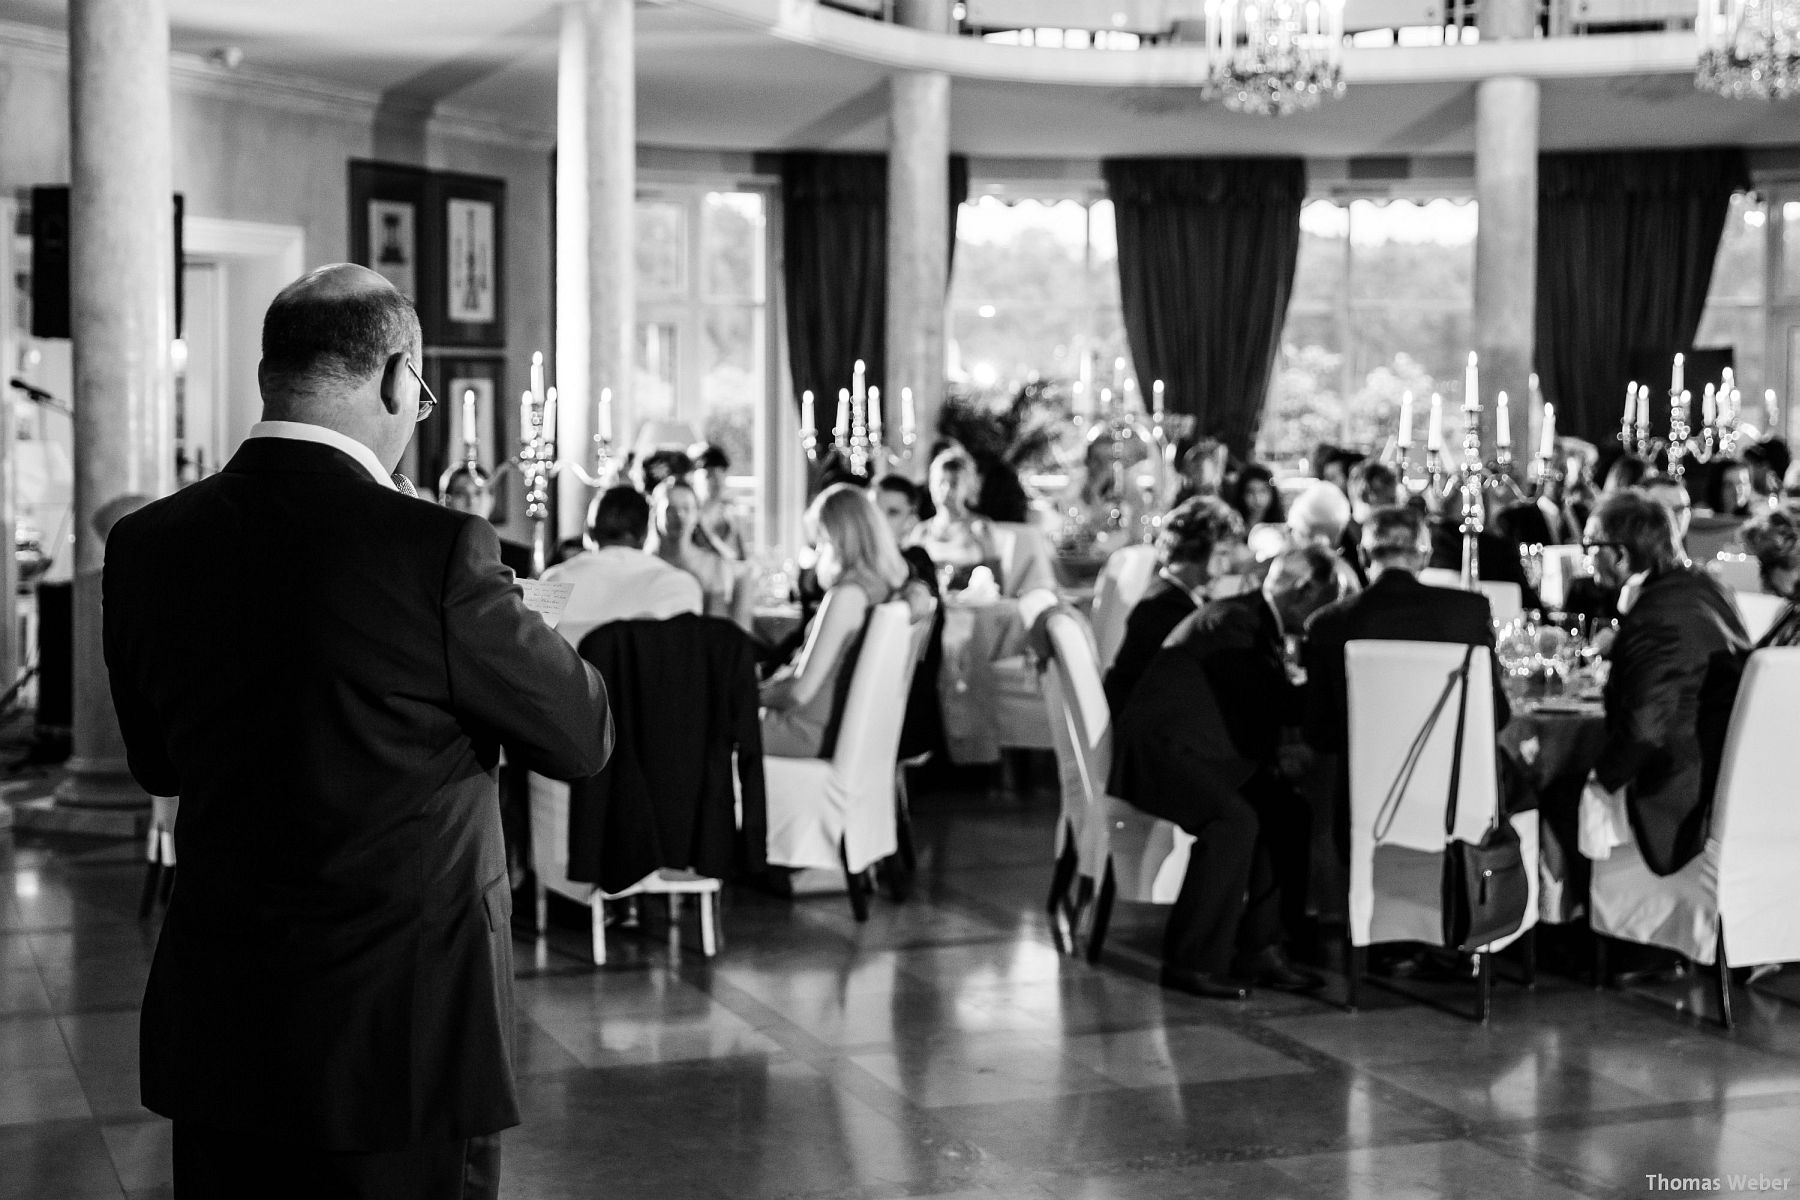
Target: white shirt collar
{"points": [[1634, 587], [300, 431]]}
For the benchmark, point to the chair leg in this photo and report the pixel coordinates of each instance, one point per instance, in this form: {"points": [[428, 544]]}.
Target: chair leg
{"points": [[1484, 986], [1531, 958], [1600, 977], [853, 883], [1724, 978], [709, 945], [152, 876], [597, 923], [1064, 874], [541, 910], [1356, 961], [168, 884], [903, 821], [1102, 915]]}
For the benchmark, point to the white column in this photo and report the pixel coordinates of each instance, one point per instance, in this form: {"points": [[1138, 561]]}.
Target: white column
{"points": [[918, 243], [1506, 155], [122, 293], [596, 194]]}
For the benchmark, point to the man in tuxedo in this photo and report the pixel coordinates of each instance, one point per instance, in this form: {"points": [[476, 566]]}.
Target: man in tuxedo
{"points": [[324, 670], [1676, 665], [1200, 743], [614, 579], [1198, 541]]}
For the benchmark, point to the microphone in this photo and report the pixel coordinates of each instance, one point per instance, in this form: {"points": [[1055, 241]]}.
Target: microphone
{"points": [[405, 486]]}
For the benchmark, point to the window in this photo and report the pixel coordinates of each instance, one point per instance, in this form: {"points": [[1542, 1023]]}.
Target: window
{"points": [[1736, 315], [1034, 293], [1382, 301], [702, 321]]}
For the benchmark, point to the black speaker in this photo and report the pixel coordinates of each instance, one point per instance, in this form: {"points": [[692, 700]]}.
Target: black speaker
{"points": [[50, 262]]}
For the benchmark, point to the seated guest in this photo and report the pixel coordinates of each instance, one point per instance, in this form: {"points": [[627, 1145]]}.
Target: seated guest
{"points": [[680, 541], [1318, 517], [1199, 743], [1395, 607], [1497, 558], [1373, 485], [1198, 542], [659, 465], [859, 567], [468, 488], [956, 538], [1731, 494], [712, 467], [1769, 462], [1626, 472], [1675, 669], [1774, 538], [1254, 497], [900, 500], [613, 579], [1672, 494]]}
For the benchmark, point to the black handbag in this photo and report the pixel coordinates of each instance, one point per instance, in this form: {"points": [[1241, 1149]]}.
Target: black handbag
{"points": [[1485, 890]]}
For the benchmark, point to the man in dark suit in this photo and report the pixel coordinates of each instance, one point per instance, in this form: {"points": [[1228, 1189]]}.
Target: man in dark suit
{"points": [[1676, 664], [1198, 542], [324, 670], [1200, 743]]}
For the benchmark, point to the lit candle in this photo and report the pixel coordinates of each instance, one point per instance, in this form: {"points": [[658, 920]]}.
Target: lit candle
{"points": [[525, 415], [1678, 376], [1502, 430], [1434, 430], [471, 437], [858, 383], [1547, 447], [807, 417], [1709, 408], [1404, 437], [1536, 394], [909, 419], [1630, 409], [875, 416], [1769, 407], [1105, 399], [1471, 385], [1643, 410], [537, 377], [603, 422], [842, 428], [550, 416], [1119, 373], [1737, 409], [1156, 398]]}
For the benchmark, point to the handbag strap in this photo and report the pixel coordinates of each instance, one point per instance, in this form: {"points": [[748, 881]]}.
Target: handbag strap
{"points": [[1462, 717], [1390, 806]]}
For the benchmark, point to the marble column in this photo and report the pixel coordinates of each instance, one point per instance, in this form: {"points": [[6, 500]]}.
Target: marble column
{"points": [[1506, 154], [918, 240], [596, 195], [122, 309]]}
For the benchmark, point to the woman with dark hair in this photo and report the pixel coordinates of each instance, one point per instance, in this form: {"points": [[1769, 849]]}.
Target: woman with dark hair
{"points": [[1255, 498], [467, 487], [717, 516], [1774, 538], [1731, 493]]}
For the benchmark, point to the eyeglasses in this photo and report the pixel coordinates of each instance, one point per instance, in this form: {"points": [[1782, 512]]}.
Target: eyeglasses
{"points": [[1592, 547], [427, 401]]}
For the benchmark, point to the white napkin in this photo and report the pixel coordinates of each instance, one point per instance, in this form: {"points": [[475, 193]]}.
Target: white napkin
{"points": [[1602, 821], [983, 587]]}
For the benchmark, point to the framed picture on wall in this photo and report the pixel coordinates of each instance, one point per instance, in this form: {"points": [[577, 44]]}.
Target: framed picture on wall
{"points": [[442, 438], [389, 229], [469, 220]]}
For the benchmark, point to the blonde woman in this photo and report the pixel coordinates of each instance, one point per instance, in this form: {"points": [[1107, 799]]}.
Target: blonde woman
{"points": [[678, 538], [859, 566], [957, 539]]}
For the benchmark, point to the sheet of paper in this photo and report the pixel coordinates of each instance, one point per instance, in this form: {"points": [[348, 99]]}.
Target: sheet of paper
{"points": [[547, 598]]}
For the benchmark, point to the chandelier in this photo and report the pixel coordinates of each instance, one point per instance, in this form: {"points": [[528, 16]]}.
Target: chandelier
{"points": [[1275, 57], [1749, 49]]}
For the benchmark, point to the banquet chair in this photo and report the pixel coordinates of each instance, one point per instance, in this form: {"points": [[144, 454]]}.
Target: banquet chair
{"points": [[1732, 905], [1562, 566], [1505, 600], [1016, 686], [1442, 577], [1103, 845], [1736, 571], [1393, 687], [1759, 610], [159, 854], [1127, 575], [924, 621], [840, 811], [1026, 560], [550, 862]]}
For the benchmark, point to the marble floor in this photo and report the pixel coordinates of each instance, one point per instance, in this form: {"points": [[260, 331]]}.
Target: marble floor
{"points": [[946, 1049]]}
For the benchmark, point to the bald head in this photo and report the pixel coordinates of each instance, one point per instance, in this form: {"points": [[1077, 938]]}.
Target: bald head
{"points": [[336, 347]]}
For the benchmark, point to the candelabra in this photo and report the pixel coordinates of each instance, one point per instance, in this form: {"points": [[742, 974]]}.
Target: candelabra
{"points": [[1472, 479], [1678, 435], [857, 435]]}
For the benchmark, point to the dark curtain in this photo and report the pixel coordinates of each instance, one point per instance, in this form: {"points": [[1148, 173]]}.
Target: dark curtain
{"points": [[1626, 242], [1207, 248], [834, 249]]}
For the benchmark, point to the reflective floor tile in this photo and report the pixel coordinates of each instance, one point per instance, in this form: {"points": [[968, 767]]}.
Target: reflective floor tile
{"points": [[64, 1160], [1449, 1170], [142, 1152], [1175, 1054], [29, 1094], [980, 1069]]}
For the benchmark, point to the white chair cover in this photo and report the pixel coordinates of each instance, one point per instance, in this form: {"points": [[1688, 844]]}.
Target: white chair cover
{"points": [[814, 803], [1149, 856], [1026, 561], [1759, 610], [1562, 566], [1440, 577], [1746, 873], [1123, 581], [1737, 571], [1505, 600], [1392, 689]]}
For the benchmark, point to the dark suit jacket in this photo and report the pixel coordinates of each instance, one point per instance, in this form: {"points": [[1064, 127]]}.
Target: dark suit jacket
{"points": [[1207, 713], [1675, 671], [324, 671], [1394, 607], [684, 692], [1162, 607]]}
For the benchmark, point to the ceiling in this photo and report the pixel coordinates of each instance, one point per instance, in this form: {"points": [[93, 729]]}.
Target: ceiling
{"points": [[710, 79]]}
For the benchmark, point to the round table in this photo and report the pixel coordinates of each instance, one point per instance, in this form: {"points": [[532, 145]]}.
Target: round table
{"points": [[1548, 749], [988, 685]]}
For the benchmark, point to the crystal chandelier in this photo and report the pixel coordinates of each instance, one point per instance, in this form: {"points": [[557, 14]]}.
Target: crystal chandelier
{"points": [[1275, 57], [1749, 49]]}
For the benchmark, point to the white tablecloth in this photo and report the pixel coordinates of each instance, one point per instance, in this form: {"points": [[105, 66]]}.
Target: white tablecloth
{"points": [[988, 687]]}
